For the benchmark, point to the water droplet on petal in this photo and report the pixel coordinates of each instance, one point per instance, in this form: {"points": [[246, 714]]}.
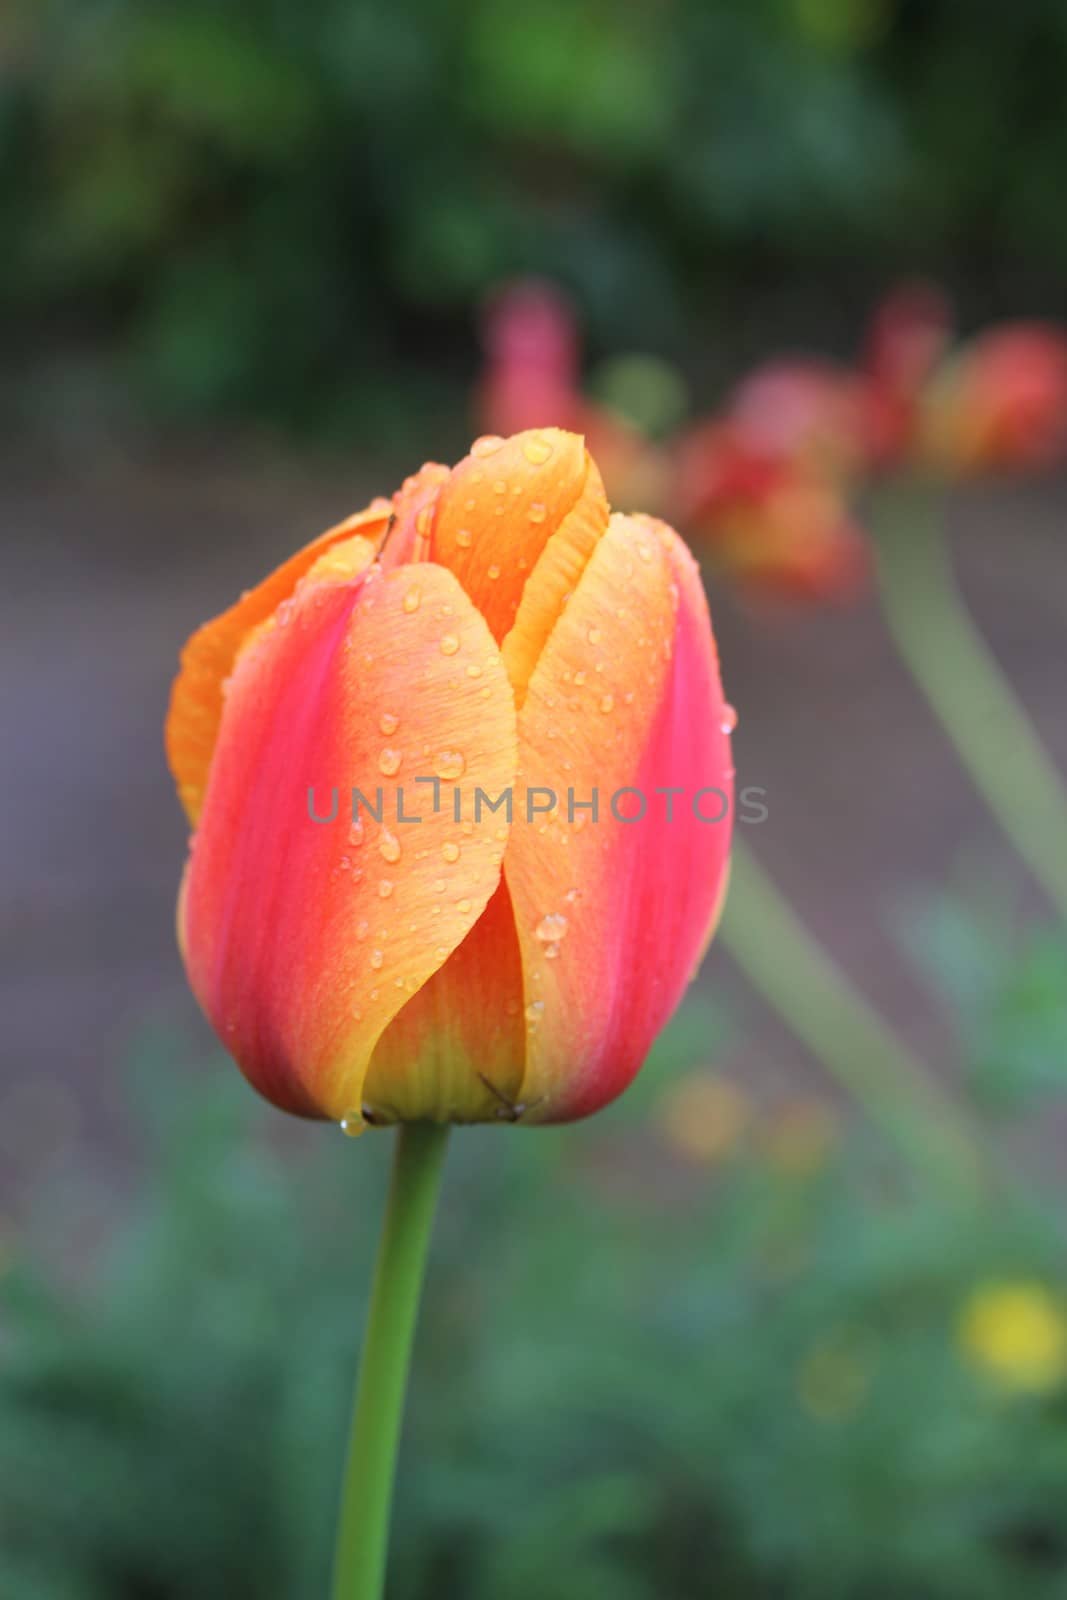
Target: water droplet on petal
{"points": [[536, 449], [385, 888], [729, 718], [388, 722], [449, 644], [411, 600], [464, 538], [594, 635], [362, 929], [463, 905], [607, 702], [450, 851], [389, 846], [487, 445], [376, 959], [534, 1011], [450, 764], [551, 929], [493, 572], [537, 511], [389, 761]]}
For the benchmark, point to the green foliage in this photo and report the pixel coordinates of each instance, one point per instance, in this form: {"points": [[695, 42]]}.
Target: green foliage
{"points": [[270, 206], [636, 1376]]}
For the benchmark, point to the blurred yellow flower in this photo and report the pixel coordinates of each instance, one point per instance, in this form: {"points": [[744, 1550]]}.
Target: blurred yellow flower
{"points": [[703, 1117], [1015, 1331]]}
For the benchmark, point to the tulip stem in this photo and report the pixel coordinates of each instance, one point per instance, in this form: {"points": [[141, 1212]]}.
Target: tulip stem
{"points": [[967, 690], [815, 999], [367, 1491]]}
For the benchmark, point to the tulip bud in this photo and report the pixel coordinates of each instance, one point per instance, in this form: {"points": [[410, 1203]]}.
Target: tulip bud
{"points": [[774, 522], [1000, 403], [370, 940]]}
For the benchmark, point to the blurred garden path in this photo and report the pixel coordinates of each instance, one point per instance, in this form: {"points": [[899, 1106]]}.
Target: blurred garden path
{"points": [[109, 567]]}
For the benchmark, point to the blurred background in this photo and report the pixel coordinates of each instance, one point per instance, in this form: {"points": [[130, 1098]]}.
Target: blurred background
{"points": [[716, 1341]]}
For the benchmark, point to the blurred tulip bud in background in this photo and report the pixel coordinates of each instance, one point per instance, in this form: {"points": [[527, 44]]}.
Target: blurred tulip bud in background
{"points": [[492, 627], [808, 410], [532, 379], [772, 521], [1000, 402]]}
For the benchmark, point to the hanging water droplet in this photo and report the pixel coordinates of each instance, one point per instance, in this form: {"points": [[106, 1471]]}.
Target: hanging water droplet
{"points": [[729, 718], [352, 1124]]}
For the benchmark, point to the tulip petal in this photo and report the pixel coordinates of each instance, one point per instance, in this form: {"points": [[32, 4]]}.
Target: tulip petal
{"points": [[455, 1053], [304, 939], [613, 916], [206, 662], [500, 508], [553, 580]]}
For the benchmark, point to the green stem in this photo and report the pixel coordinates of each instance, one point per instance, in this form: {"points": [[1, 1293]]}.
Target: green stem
{"points": [[810, 992], [367, 1492], [966, 689]]}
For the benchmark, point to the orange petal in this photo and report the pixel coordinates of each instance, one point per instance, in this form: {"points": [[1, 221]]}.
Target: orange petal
{"points": [[553, 581], [612, 916], [304, 939], [455, 1053], [206, 662], [500, 507]]}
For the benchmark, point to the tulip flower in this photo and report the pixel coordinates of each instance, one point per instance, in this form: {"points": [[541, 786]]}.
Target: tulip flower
{"points": [[491, 628], [805, 410], [774, 522], [1000, 403]]}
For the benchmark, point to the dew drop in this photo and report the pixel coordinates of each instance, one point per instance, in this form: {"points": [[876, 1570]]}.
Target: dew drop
{"points": [[464, 538], [537, 511], [411, 600], [579, 678], [729, 718], [385, 888], [500, 486], [607, 702], [450, 764], [450, 851], [362, 929], [355, 832], [594, 635], [534, 1011], [389, 761], [463, 905], [376, 959], [536, 449], [493, 572], [353, 1124], [474, 670], [389, 846], [449, 644], [551, 929], [487, 445], [388, 722]]}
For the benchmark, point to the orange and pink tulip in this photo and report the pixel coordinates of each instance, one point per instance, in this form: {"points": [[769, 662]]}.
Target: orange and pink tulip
{"points": [[491, 628]]}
